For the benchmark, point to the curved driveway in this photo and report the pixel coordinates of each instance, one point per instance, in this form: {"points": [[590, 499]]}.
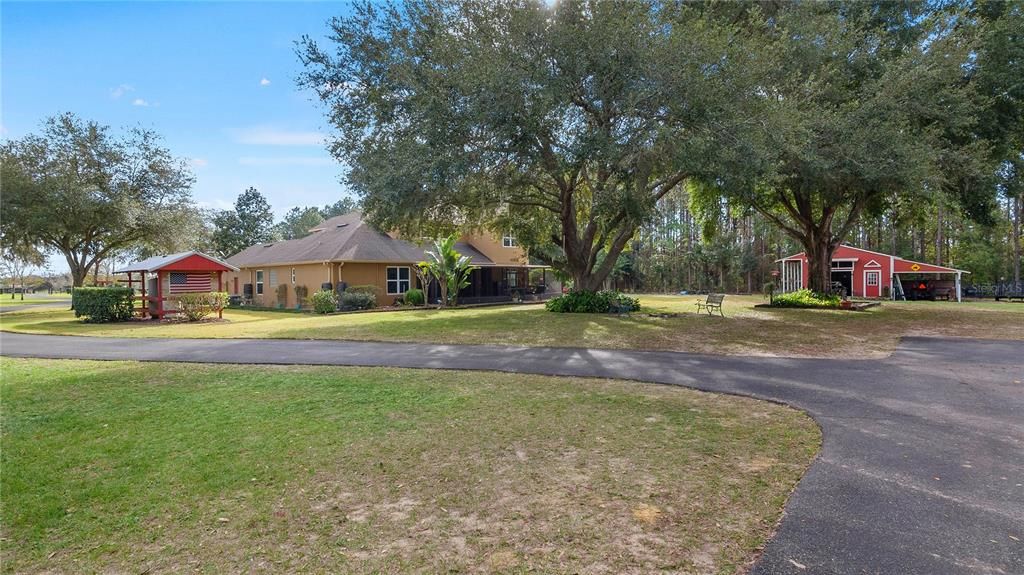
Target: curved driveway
{"points": [[921, 471]]}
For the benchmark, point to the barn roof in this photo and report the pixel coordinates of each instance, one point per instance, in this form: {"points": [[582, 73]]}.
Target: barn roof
{"points": [[900, 265], [160, 262]]}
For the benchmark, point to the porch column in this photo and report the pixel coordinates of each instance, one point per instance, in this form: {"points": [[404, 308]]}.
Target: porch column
{"points": [[220, 288], [957, 287], [159, 296]]}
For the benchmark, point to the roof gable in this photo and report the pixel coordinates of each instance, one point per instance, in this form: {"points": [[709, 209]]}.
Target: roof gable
{"points": [[182, 261], [900, 265], [344, 238]]}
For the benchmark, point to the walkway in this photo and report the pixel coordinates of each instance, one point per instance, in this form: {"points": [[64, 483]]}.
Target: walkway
{"points": [[922, 468]]}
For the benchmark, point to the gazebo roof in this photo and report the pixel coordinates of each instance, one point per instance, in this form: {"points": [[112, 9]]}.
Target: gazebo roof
{"points": [[192, 261]]}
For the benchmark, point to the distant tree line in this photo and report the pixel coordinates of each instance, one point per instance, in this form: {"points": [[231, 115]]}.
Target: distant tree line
{"points": [[724, 247]]}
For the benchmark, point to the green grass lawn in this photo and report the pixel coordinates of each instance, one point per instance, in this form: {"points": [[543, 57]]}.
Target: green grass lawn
{"points": [[745, 330], [33, 299], [120, 467]]}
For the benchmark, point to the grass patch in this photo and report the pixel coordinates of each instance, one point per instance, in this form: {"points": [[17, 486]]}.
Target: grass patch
{"points": [[745, 330], [33, 299], [128, 467]]}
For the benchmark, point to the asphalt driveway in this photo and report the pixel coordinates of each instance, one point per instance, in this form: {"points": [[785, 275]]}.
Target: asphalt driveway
{"points": [[921, 471]]}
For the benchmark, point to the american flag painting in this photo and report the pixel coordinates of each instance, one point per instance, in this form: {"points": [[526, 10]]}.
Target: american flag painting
{"points": [[182, 282]]}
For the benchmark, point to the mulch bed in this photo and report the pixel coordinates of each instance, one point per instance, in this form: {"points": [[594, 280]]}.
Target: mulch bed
{"points": [[855, 306]]}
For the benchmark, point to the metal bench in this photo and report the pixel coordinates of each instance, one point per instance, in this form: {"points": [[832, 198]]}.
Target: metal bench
{"points": [[713, 302]]}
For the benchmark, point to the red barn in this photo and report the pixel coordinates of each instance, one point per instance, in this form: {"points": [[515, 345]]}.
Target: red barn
{"points": [[864, 273]]}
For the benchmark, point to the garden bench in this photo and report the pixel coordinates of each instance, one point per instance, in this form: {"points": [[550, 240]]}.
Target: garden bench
{"points": [[713, 302]]}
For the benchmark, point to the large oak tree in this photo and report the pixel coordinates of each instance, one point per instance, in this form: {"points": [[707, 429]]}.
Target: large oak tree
{"points": [[863, 105], [562, 122], [87, 193]]}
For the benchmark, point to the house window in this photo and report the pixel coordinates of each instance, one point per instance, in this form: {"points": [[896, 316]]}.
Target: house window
{"points": [[259, 282], [509, 241], [293, 276], [512, 278], [398, 280]]}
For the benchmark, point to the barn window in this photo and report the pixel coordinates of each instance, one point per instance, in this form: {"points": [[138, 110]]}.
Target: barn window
{"points": [[842, 265], [873, 279]]}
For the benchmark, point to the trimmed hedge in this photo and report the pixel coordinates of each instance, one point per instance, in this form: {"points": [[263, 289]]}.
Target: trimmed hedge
{"points": [[415, 297], [324, 301], [196, 306], [593, 302], [805, 298], [357, 300], [103, 304]]}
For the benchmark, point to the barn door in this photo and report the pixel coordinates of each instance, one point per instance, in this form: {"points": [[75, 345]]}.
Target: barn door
{"points": [[872, 283]]}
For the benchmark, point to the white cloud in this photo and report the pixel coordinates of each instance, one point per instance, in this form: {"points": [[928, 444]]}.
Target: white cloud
{"points": [[266, 136], [121, 90], [140, 102], [199, 162], [264, 82], [285, 161]]}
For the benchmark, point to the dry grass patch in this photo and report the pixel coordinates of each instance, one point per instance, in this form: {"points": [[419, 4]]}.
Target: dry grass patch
{"points": [[163, 468]]}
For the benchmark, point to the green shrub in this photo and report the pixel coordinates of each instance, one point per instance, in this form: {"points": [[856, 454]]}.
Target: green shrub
{"points": [[415, 297], [805, 298], [593, 302], [103, 304], [196, 306], [301, 293], [357, 300], [324, 301], [373, 290], [282, 295]]}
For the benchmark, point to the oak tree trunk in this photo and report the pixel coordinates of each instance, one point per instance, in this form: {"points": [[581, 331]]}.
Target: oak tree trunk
{"points": [[819, 263]]}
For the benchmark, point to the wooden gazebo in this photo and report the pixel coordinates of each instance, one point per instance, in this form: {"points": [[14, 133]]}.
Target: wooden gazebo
{"points": [[175, 274]]}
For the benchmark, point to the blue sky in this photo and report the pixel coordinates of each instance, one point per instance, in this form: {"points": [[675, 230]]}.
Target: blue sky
{"points": [[216, 80]]}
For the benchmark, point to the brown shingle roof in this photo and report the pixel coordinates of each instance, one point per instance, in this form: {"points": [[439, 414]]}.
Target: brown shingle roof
{"points": [[345, 238]]}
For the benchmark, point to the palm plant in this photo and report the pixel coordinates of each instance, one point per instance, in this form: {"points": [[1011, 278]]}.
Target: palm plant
{"points": [[450, 268]]}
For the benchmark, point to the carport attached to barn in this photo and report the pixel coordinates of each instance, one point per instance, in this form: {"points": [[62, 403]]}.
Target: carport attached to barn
{"points": [[175, 274]]}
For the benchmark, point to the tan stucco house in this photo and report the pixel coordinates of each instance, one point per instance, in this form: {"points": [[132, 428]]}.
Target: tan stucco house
{"points": [[346, 251]]}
